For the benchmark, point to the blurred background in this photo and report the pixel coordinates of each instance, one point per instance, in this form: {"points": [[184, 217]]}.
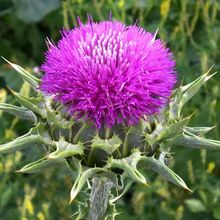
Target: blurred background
{"points": [[191, 28]]}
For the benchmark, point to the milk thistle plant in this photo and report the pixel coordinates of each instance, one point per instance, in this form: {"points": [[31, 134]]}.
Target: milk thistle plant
{"points": [[108, 107]]}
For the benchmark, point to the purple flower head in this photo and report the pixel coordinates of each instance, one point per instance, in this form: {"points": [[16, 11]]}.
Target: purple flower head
{"points": [[109, 73]]}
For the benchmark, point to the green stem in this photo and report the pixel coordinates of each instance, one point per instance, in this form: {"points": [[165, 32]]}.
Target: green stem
{"points": [[99, 198]]}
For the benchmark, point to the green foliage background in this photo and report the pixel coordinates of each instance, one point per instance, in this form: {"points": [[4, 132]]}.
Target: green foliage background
{"points": [[191, 28]]}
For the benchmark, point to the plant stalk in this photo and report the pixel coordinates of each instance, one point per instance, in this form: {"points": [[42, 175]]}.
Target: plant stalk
{"points": [[99, 198]]}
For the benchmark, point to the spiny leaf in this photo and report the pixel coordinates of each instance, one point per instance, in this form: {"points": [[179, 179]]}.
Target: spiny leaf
{"points": [[197, 130], [191, 89], [82, 179], [37, 135], [20, 112], [66, 149], [108, 145], [186, 87], [33, 81], [164, 171], [41, 164], [20, 143], [195, 142]]}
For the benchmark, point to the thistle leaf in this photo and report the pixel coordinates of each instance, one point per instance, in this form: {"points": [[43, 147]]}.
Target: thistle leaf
{"points": [[191, 89], [82, 179], [195, 142], [20, 143], [37, 135], [33, 81], [29, 103], [108, 145], [164, 171], [66, 149], [197, 130], [19, 112], [41, 164]]}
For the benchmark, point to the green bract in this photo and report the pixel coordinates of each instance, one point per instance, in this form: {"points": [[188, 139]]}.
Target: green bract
{"points": [[119, 154]]}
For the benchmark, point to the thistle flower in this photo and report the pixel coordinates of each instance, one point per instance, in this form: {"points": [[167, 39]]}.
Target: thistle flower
{"points": [[109, 73]]}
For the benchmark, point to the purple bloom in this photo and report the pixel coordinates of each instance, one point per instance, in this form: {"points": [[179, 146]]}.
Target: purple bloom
{"points": [[109, 73]]}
